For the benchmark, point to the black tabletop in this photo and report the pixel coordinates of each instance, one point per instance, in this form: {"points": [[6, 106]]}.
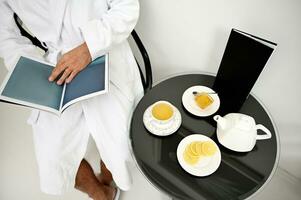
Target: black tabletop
{"points": [[239, 175]]}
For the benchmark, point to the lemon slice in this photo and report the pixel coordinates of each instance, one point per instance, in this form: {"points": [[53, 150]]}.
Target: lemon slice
{"points": [[198, 148], [208, 148], [190, 154], [190, 159], [193, 150]]}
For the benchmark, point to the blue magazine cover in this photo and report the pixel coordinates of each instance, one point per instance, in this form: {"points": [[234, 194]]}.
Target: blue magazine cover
{"points": [[27, 84]]}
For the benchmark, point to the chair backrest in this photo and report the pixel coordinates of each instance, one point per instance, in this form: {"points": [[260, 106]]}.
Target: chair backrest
{"points": [[147, 79]]}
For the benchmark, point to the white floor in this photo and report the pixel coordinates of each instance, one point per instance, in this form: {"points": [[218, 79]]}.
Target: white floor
{"points": [[19, 179]]}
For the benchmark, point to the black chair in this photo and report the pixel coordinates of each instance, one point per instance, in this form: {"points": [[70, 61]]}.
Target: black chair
{"points": [[147, 79]]}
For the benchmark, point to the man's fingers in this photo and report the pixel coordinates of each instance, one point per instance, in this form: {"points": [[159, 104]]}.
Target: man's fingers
{"points": [[60, 67], [76, 59], [66, 73], [72, 75]]}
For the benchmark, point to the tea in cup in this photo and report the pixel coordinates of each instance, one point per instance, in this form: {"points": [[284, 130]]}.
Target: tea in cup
{"points": [[162, 112]]}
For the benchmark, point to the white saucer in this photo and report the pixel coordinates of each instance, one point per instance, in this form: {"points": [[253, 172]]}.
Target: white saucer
{"points": [[206, 165], [162, 129], [191, 106]]}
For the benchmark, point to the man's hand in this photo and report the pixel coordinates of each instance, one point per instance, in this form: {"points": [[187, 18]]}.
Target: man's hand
{"points": [[71, 63]]}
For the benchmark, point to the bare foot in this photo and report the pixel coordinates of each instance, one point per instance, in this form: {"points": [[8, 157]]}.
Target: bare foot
{"points": [[101, 193], [110, 192], [99, 196], [105, 177], [87, 182], [101, 179]]}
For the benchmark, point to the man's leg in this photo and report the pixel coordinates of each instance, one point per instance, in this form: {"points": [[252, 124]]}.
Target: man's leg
{"points": [[87, 182], [105, 176]]}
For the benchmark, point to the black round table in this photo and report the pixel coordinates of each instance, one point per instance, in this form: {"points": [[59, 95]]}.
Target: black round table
{"points": [[239, 176]]}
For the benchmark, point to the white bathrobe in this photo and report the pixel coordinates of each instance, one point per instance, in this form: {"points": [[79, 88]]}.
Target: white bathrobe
{"points": [[61, 142]]}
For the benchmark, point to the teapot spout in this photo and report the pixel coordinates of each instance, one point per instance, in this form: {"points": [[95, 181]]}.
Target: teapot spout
{"points": [[221, 122]]}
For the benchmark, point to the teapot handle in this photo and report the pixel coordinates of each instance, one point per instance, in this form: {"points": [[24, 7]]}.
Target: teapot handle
{"points": [[264, 129]]}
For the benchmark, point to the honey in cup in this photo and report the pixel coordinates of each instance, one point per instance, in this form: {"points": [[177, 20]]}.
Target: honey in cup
{"points": [[162, 111]]}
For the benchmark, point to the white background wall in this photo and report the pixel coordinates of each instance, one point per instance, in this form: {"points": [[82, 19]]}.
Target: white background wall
{"points": [[190, 35], [183, 36]]}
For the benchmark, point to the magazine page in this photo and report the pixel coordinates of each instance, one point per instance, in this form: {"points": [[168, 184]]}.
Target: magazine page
{"points": [[90, 82], [27, 84]]}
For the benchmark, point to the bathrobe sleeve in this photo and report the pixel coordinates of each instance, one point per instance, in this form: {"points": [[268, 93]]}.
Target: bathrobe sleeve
{"points": [[12, 43], [112, 28]]}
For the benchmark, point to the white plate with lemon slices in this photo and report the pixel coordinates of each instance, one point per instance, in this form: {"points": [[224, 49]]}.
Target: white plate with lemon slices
{"points": [[162, 118], [198, 155], [189, 102]]}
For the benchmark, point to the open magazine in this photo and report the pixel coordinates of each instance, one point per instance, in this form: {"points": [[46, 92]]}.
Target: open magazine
{"points": [[27, 85]]}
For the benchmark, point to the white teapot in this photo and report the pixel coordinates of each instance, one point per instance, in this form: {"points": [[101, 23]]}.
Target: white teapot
{"points": [[238, 132]]}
